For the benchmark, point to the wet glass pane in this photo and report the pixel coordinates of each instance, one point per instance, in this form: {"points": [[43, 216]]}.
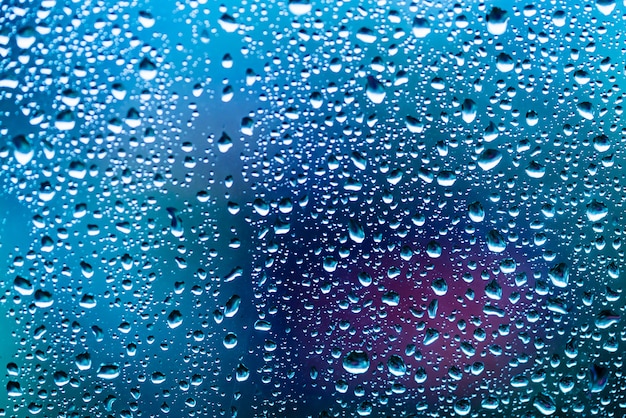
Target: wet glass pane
{"points": [[312, 208]]}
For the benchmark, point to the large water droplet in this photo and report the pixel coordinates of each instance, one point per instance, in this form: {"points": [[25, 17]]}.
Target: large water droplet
{"points": [[596, 211], [430, 336], [174, 319], [421, 27], [147, 69], [489, 159], [476, 212], [504, 62], [356, 362], [232, 306], [300, 7], [366, 35], [535, 170], [374, 90], [242, 373], [228, 23], [497, 21], [83, 361], [468, 110], [544, 404], [23, 152], [23, 286], [606, 318], [396, 365], [462, 407], [598, 378], [108, 371], [559, 275], [606, 7], [43, 299], [357, 234], [495, 241]]}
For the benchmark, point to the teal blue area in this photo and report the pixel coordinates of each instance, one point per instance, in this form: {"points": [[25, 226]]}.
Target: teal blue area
{"points": [[315, 212]]}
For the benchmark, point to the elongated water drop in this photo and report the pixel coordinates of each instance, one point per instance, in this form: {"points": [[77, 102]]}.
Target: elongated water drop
{"points": [[468, 110], [476, 212], [375, 90], [495, 241], [357, 234]]}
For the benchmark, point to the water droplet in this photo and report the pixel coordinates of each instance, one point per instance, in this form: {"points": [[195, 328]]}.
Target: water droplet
{"points": [[598, 378], [14, 389], [391, 298], [242, 373], [535, 170], [596, 211], [601, 143], [462, 407], [468, 110], [88, 301], [232, 306], [228, 23], [157, 378], [440, 287], [65, 120], [396, 365], [430, 336], [108, 371], [559, 275], [375, 90], [23, 151], [497, 21], [83, 361], [434, 249], [224, 143], [420, 375], [366, 35], [446, 178], [146, 19], [330, 264], [147, 69], [300, 7], [582, 77], [356, 362], [23, 286], [421, 27], [606, 318], [489, 159], [504, 62], [493, 290], [495, 241], [230, 340], [365, 279], [262, 325], [585, 110], [606, 7], [25, 37], [476, 212], [357, 234], [174, 319], [43, 299], [544, 404]]}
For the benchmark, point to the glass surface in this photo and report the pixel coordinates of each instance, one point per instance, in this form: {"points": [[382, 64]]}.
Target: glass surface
{"points": [[312, 208]]}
